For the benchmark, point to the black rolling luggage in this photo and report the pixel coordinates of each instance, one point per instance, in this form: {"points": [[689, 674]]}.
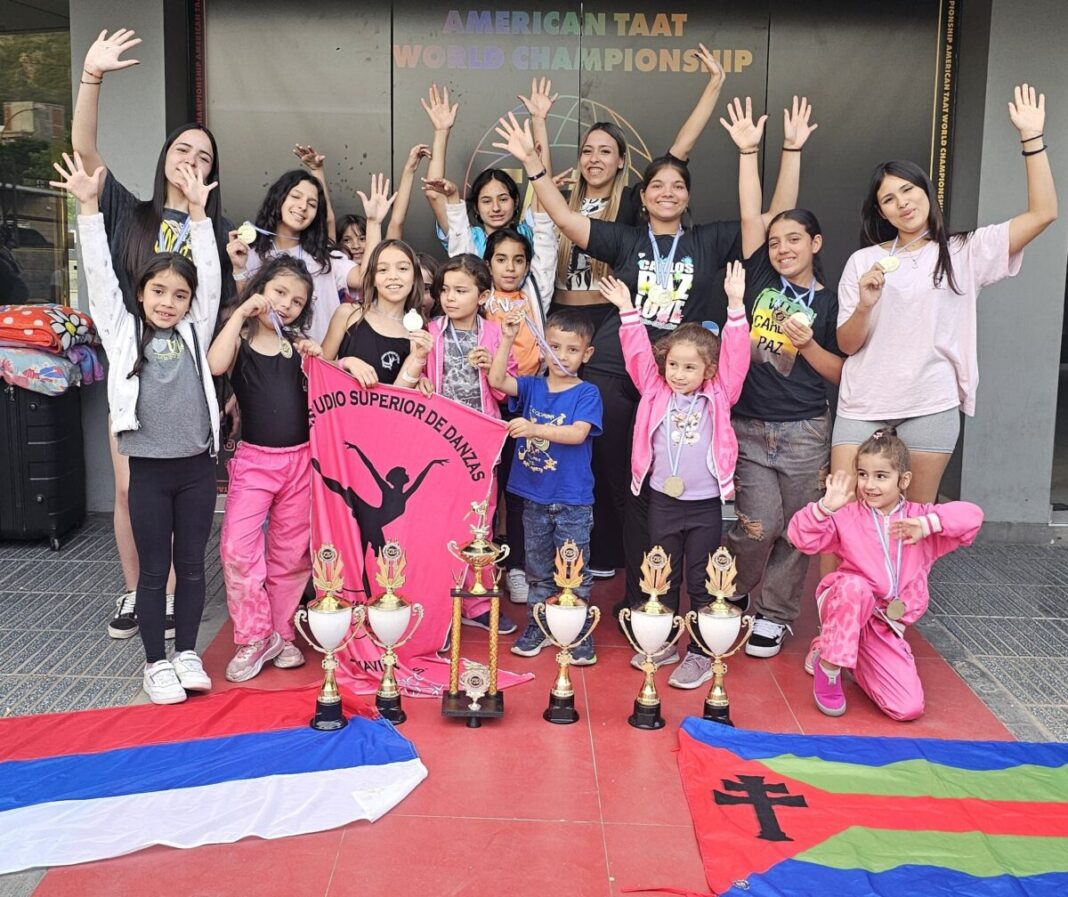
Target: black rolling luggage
{"points": [[42, 471]]}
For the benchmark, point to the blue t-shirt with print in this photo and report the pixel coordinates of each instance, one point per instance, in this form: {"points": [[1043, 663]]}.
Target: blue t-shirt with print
{"points": [[550, 472]]}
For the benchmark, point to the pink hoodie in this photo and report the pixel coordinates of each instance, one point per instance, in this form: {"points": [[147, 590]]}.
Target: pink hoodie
{"points": [[489, 337], [722, 390], [850, 533]]}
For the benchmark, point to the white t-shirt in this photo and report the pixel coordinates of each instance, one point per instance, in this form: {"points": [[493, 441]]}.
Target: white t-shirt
{"points": [[920, 356], [326, 285]]}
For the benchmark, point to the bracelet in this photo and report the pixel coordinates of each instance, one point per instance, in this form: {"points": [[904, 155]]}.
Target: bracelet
{"points": [[751, 152], [243, 275], [407, 379], [791, 149], [1034, 152], [824, 508], [93, 74], [94, 83], [1028, 139], [540, 174]]}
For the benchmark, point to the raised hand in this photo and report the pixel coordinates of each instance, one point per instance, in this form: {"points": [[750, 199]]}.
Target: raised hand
{"points": [[910, 530], [510, 326], [439, 185], [192, 185], [309, 158], [871, 286], [421, 342], [541, 98], [103, 55], [238, 252], [415, 156], [377, 204], [254, 306], [734, 284], [516, 140], [795, 124], [616, 292], [442, 115], [716, 75], [1027, 112], [839, 490], [744, 132], [566, 179], [83, 186]]}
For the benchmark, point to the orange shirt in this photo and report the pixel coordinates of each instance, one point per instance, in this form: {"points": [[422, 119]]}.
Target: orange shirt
{"points": [[525, 349]]}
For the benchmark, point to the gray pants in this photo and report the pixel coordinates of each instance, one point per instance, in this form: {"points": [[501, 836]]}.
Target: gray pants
{"points": [[782, 466]]}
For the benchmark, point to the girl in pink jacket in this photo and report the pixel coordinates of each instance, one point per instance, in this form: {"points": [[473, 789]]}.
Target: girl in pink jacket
{"points": [[886, 546], [684, 443]]}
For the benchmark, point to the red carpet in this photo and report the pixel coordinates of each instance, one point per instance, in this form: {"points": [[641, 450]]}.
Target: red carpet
{"points": [[521, 807]]}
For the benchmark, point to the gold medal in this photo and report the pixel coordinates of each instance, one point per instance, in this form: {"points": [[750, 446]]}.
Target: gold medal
{"points": [[284, 348], [890, 263], [674, 486], [658, 297], [471, 358], [895, 610], [246, 233]]}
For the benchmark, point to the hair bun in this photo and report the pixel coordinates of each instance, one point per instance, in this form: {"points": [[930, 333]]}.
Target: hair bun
{"points": [[884, 433]]}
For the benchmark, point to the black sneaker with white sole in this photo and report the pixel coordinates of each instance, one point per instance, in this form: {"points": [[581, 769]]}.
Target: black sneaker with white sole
{"points": [[767, 637], [124, 623]]}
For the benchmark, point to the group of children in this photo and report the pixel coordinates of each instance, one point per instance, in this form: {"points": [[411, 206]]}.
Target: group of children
{"points": [[588, 321]]}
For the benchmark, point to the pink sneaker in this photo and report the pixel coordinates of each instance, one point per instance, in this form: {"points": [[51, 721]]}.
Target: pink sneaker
{"points": [[290, 656], [810, 658], [827, 689], [249, 659]]}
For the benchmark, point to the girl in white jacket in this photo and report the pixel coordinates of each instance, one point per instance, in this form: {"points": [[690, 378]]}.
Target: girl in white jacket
{"points": [[164, 414]]}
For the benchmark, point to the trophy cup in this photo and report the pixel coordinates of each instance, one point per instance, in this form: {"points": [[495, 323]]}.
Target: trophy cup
{"points": [[330, 618], [717, 629], [561, 619], [386, 623], [649, 633], [480, 557]]}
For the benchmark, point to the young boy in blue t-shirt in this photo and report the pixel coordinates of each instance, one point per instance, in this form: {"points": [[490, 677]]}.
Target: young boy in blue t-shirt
{"points": [[552, 472]]}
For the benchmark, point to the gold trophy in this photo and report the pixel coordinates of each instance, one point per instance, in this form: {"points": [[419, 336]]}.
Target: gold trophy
{"points": [[480, 557], [718, 627], [330, 619], [649, 633], [561, 620], [387, 620]]}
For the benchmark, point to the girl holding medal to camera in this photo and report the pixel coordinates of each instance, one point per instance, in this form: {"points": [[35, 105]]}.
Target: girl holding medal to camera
{"points": [[684, 445], [887, 546], [907, 314]]}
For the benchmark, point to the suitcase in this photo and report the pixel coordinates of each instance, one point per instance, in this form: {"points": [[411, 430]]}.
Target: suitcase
{"points": [[42, 470]]}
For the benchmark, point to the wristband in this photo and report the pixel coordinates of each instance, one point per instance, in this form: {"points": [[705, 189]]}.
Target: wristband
{"points": [[791, 149], [824, 508], [408, 379], [1034, 152], [747, 152], [1029, 139], [540, 174], [243, 275]]}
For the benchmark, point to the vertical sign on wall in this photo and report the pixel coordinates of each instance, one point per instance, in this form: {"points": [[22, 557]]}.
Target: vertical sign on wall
{"points": [[945, 97]]}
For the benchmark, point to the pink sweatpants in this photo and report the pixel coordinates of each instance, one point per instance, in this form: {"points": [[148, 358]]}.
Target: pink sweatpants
{"points": [[852, 636], [265, 576]]}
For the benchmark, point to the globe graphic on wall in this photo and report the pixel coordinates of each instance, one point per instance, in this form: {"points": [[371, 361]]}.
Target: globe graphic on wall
{"points": [[567, 122]]}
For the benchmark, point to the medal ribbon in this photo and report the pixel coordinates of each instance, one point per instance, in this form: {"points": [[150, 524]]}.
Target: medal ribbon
{"points": [[451, 330], [664, 266], [507, 305], [674, 457], [893, 570], [894, 250], [804, 298], [183, 232]]}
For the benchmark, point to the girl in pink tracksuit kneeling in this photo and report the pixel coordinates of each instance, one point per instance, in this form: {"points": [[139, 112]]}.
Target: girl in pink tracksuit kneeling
{"points": [[261, 348], [886, 546], [684, 443]]}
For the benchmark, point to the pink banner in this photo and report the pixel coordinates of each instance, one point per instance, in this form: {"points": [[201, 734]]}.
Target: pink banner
{"points": [[391, 464]]}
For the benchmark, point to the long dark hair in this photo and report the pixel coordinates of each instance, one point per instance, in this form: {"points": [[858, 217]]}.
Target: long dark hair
{"points": [[285, 264], [146, 217], [367, 289], [314, 239], [653, 169], [160, 262], [876, 229], [492, 174], [811, 225]]}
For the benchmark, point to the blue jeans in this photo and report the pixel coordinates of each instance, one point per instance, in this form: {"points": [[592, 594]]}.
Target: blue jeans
{"points": [[545, 529]]}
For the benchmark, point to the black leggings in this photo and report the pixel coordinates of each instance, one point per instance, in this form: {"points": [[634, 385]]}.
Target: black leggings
{"points": [[172, 502], [513, 504]]}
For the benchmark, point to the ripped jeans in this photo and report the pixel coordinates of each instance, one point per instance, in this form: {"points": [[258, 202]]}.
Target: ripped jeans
{"points": [[781, 468]]}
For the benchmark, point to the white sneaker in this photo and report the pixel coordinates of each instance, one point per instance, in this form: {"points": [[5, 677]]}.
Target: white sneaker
{"points": [[161, 683], [517, 586], [190, 671]]}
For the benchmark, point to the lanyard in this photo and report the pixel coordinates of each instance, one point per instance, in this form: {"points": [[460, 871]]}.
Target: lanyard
{"points": [[451, 331], [664, 266], [183, 232], [675, 455], [805, 298], [509, 305], [893, 570], [894, 250]]}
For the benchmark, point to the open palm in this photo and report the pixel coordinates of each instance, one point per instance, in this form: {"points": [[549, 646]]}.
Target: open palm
{"points": [[103, 55], [83, 186], [745, 133]]}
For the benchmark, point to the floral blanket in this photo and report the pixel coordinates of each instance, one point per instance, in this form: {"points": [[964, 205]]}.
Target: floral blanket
{"points": [[53, 328]]}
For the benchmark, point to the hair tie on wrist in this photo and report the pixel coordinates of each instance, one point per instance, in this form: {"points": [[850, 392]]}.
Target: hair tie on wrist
{"points": [[747, 152], [1029, 139], [1034, 152], [540, 174], [791, 149]]}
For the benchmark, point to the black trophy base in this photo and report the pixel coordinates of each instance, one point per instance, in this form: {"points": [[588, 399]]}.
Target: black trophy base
{"points": [[457, 704], [328, 717], [720, 715], [391, 709], [646, 717], [561, 710]]}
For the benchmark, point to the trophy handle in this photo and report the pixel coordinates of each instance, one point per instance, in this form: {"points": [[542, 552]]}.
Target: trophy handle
{"points": [[747, 628], [417, 611], [690, 621], [680, 627], [298, 618], [624, 617], [544, 629], [595, 616], [359, 612], [505, 551]]}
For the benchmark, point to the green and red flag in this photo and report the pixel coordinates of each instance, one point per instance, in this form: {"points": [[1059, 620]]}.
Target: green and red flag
{"points": [[844, 816]]}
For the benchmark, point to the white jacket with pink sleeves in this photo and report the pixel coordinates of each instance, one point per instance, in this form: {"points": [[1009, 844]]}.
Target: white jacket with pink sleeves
{"points": [[850, 533], [722, 391]]}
